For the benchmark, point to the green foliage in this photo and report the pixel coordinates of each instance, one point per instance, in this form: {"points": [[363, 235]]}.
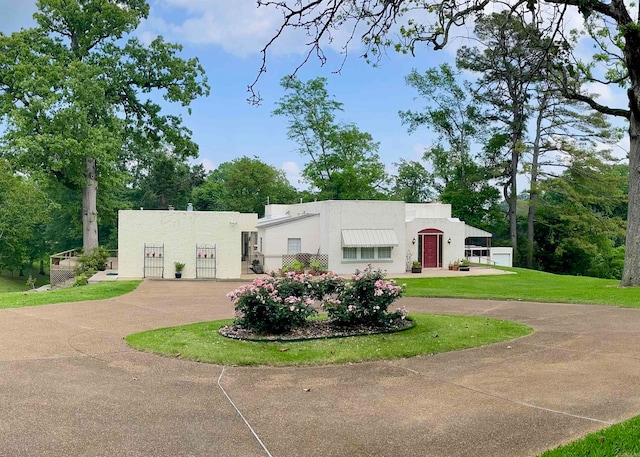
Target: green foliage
{"points": [[24, 210], [344, 164], [165, 181], [203, 343], [89, 263], [412, 182], [31, 282], [75, 91], [460, 177], [179, 266], [244, 184], [365, 300], [580, 222]]}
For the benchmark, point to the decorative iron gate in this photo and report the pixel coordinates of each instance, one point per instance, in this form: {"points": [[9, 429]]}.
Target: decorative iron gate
{"points": [[205, 261], [154, 260]]}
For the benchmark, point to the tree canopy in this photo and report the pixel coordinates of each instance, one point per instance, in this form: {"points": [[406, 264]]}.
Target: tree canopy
{"points": [[343, 161], [77, 97]]}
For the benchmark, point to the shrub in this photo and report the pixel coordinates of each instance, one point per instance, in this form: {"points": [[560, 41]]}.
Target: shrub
{"points": [[277, 304], [365, 300], [89, 263], [273, 305]]}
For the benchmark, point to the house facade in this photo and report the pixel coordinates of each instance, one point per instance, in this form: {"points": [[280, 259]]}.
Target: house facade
{"points": [[211, 244], [352, 234]]}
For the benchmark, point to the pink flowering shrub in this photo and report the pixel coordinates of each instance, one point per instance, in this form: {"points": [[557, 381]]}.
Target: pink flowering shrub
{"points": [[365, 300], [277, 304]]}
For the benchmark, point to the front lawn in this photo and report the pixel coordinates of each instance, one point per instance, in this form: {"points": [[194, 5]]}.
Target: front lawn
{"points": [[430, 335], [99, 291], [527, 285]]}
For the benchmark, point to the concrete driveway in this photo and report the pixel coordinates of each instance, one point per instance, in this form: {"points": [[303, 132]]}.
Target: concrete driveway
{"points": [[70, 386]]}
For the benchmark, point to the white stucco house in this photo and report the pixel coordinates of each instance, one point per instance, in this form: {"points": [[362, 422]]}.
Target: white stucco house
{"points": [[352, 234], [211, 244]]}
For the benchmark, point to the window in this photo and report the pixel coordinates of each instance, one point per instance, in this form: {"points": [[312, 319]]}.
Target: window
{"points": [[294, 245], [367, 253], [384, 252], [350, 253]]}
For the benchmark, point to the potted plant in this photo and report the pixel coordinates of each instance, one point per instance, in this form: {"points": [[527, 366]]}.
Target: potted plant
{"points": [[464, 265], [456, 265], [317, 268], [179, 269], [450, 265], [416, 267]]}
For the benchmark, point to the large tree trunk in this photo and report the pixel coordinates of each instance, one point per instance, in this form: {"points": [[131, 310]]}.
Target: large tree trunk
{"points": [[89, 207], [513, 200], [533, 187], [631, 272]]}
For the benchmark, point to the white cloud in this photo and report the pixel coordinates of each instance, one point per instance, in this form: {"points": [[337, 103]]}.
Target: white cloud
{"points": [[294, 174], [208, 165], [239, 27]]}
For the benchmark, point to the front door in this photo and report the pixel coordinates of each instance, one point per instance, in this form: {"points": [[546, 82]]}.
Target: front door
{"points": [[430, 251]]}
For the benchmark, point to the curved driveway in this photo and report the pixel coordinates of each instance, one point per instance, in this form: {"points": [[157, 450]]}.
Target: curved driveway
{"points": [[70, 386]]}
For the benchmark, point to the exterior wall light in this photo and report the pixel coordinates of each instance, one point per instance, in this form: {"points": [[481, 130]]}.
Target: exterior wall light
{"points": [[413, 241], [449, 241]]}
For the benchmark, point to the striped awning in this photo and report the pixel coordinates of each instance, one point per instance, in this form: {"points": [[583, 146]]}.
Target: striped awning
{"points": [[368, 238]]}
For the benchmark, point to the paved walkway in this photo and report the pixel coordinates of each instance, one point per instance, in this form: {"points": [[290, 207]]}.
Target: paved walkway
{"points": [[70, 386]]}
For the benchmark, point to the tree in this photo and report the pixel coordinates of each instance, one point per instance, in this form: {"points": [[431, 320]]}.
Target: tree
{"points": [[563, 129], [412, 183], [580, 228], [244, 185], [459, 176], [514, 57], [24, 210], [610, 24], [169, 181], [343, 162], [73, 95]]}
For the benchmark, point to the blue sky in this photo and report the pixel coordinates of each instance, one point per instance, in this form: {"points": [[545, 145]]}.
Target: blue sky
{"points": [[227, 35]]}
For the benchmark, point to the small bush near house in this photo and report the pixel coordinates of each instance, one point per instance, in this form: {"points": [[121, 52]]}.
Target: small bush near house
{"points": [[274, 305], [365, 300], [89, 263]]}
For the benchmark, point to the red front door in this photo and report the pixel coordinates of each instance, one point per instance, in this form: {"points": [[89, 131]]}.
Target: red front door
{"points": [[430, 251]]}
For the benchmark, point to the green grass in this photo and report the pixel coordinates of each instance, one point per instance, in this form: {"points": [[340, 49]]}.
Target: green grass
{"points": [[100, 291], [527, 285], [431, 334], [13, 283], [620, 440]]}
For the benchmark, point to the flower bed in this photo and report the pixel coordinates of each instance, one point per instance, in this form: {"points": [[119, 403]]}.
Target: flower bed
{"points": [[277, 305]]}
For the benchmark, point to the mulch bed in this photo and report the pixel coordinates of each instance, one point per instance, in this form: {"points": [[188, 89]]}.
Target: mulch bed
{"points": [[314, 330]]}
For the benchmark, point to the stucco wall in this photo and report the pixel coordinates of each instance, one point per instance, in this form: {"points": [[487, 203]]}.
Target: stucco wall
{"points": [[324, 232], [452, 229], [274, 239], [345, 215], [435, 210], [180, 232]]}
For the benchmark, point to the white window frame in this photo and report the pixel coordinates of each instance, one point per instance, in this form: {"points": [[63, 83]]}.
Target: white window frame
{"points": [[296, 244], [390, 250]]}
